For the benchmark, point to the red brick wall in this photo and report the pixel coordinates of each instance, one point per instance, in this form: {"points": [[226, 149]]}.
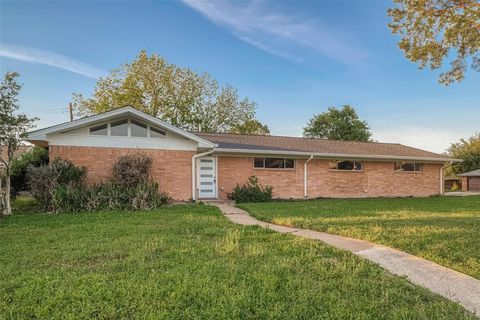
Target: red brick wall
{"points": [[464, 184], [287, 183], [377, 179], [172, 169]]}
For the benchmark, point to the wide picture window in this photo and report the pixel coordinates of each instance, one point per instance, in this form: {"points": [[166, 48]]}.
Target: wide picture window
{"points": [[346, 165], [274, 163], [408, 166]]}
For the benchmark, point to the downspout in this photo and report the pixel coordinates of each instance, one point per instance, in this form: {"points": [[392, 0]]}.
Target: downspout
{"points": [[442, 183], [305, 180], [194, 172]]}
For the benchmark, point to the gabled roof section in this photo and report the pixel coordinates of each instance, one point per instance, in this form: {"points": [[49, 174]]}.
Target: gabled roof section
{"points": [[41, 134], [236, 143]]}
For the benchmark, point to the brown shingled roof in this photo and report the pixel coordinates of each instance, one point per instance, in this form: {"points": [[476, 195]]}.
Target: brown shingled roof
{"points": [[296, 144]]}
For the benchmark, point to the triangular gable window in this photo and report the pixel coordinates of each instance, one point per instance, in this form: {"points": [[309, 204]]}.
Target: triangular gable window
{"points": [[127, 128]]}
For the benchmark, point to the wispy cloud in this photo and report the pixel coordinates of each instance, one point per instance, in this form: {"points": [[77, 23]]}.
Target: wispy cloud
{"points": [[34, 55], [278, 33]]}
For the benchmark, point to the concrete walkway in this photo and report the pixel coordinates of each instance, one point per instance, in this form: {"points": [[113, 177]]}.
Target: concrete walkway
{"points": [[461, 193], [451, 284]]}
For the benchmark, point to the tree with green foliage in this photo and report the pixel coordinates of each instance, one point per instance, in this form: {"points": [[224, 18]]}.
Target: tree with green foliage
{"points": [[252, 127], [177, 95], [436, 30], [469, 151], [13, 129], [338, 124]]}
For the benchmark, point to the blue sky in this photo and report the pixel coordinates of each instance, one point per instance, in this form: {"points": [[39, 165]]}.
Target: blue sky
{"points": [[294, 59]]}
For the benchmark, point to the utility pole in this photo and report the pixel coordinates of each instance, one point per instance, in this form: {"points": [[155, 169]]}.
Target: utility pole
{"points": [[70, 109]]}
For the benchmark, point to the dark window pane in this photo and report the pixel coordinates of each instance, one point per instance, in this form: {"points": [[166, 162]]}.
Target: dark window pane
{"points": [[138, 129], [100, 130], [274, 163], [258, 163], [345, 165], [408, 167], [418, 166], [358, 166], [289, 163], [156, 133], [405, 166], [119, 128]]}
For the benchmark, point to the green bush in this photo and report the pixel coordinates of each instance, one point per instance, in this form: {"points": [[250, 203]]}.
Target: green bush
{"points": [[251, 192], [109, 196], [60, 187], [131, 170], [35, 157], [45, 181]]}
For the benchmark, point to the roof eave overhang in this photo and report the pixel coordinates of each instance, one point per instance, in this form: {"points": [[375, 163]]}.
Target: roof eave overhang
{"points": [[469, 174], [318, 155], [41, 135]]}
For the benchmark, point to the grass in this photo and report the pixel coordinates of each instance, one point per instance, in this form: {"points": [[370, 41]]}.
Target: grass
{"points": [[445, 230], [189, 262]]}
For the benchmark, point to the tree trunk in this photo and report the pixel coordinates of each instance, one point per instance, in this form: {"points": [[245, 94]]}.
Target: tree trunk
{"points": [[8, 208]]}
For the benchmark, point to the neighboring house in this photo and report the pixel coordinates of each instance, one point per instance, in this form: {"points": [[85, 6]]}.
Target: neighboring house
{"points": [[471, 180], [191, 165]]}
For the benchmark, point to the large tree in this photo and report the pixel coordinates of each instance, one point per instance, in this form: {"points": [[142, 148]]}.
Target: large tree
{"points": [[433, 31], [469, 151], [251, 127], [180, 96], [338, 124], [13, 129]]}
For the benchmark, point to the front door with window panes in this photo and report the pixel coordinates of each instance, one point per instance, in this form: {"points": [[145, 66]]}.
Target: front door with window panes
{"points": [[206, 177]]}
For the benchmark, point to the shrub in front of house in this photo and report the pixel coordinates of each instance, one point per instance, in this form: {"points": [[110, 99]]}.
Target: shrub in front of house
{"points": [[252, 191], [35, 157], [110, 196], [131, 170], [138, 193], [45, 181]]}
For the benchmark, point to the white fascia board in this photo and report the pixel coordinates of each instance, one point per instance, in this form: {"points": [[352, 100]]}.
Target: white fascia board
{"points": [[331, 155], [42, 133]]}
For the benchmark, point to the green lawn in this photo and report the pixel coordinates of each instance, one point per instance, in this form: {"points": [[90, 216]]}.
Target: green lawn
{"points": [[445, 230], [189, 262]]}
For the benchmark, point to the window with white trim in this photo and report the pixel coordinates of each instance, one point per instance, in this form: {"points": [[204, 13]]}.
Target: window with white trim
{"points": [[408, 166], [127, 128], [119, 128], [100, 130], [138, 129], [346, 165], [273, 163]]}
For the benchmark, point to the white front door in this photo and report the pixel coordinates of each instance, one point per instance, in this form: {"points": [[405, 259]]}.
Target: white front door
{"points": [[207, 177]]}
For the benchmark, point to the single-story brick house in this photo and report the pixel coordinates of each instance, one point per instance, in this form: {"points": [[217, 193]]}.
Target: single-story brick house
{"points": [[192, 165], [471, 180]]}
